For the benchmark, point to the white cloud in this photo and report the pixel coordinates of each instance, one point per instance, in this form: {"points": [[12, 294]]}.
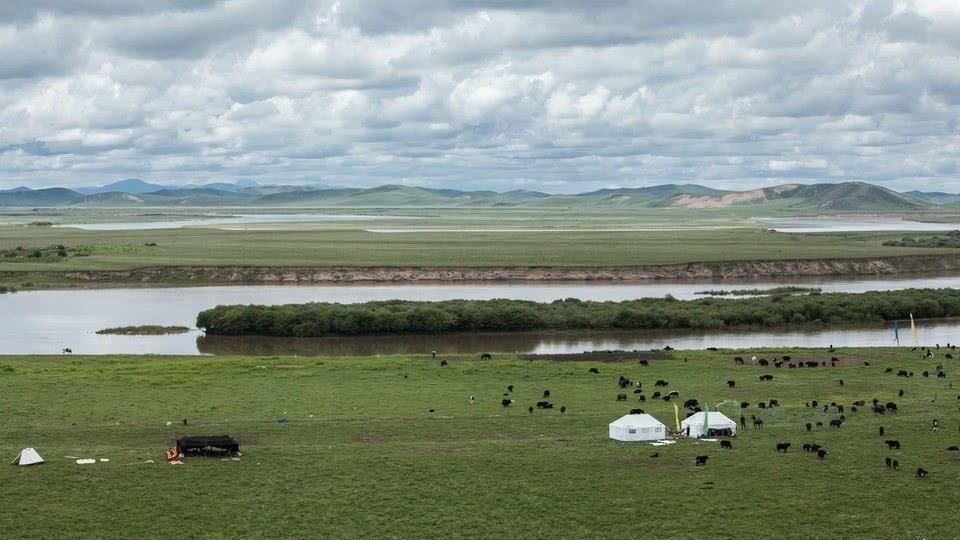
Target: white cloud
{"points": [[481, 93]]}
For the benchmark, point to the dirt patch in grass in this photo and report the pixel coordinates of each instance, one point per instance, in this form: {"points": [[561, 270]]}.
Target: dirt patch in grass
{"points": [[369, 438]]}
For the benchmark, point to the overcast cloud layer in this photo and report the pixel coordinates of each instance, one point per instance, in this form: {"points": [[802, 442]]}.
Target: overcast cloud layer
{"points": [[481, 94]]}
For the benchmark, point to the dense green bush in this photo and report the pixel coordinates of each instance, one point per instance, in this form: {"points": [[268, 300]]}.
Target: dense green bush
{"points": [[950, 240], [319, 319]]}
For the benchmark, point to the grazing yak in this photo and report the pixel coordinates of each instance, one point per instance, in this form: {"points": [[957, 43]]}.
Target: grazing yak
{"points": [[892, 444], [656, 395], [731, 384], [726, 444], [836, 423], [621, 397], [642, 398], [738, 360], [782, 447], [563, 409], [701, 460], [546, 393], [891, 406], [443, 363], [921, 472], [766, 377], [809, 426], [660, 383], [636, 411], [744, 404], [506, 402], [595, 371], [486, 356], [888, 461], [821, 453]]}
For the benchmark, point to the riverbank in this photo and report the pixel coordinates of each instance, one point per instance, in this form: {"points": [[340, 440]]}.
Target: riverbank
{"points": [[400, 434], [699, 271]]}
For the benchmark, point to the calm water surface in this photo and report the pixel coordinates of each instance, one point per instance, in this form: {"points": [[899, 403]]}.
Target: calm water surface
{"points": [[852, 224], [42, 322], [232, 219]]}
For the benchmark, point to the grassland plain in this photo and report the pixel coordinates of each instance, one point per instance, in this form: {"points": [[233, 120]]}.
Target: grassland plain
{"points": [[360, 456], [126, 250]]}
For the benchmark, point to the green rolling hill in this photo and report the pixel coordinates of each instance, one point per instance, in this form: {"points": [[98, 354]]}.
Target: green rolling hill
{"points": [[827, 198]]}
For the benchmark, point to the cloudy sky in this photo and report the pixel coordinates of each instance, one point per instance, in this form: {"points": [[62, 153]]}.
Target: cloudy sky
{"points": [[553, 95]]}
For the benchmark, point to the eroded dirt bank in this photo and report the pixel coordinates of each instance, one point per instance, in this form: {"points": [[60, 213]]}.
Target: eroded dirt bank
{"points": [[689, 271]]}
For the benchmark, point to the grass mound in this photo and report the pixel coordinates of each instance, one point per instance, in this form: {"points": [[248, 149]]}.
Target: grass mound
{"points": [[144, 330]]}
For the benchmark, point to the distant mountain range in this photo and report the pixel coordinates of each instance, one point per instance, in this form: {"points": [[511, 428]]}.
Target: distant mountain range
{"points": [[841, 197]]}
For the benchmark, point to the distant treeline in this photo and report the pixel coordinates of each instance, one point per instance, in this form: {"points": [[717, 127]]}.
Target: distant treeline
{"points": [[759, 292], [950, 240], [321, 319]]}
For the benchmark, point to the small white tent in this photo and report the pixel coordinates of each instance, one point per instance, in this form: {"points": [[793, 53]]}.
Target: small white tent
{"points": [[637, 427], [28, 456], [716, 420]]}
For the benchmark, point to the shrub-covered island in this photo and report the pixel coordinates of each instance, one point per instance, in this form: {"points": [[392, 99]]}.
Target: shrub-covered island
{"points": [[320, 319]]}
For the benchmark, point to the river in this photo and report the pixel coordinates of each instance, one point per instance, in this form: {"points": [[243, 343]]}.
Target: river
{"points": [[44, 322]]}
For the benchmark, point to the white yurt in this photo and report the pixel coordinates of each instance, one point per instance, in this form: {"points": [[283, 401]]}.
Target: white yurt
{"points": [[637, 427], [716, 420]]}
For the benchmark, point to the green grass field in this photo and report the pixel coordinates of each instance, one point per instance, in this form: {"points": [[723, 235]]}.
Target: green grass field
{"points": [[471, 238], [359, 455], [184, 247]]}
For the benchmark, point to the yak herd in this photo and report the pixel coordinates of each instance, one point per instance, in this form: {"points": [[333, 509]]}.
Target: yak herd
{"points": [[692, 406], [877, 407]]}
